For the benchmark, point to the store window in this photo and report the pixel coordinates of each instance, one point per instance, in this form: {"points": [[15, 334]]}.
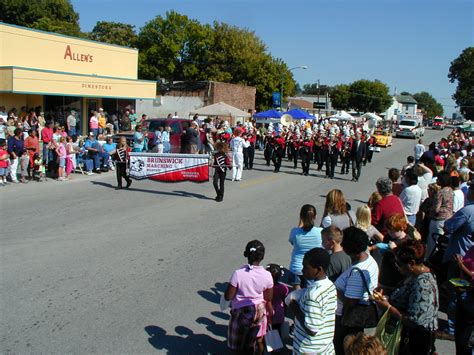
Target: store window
{"points": [[58, 108]]}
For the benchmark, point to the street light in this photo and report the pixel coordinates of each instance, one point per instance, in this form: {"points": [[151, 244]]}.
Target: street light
{"points": [[281, 89]]}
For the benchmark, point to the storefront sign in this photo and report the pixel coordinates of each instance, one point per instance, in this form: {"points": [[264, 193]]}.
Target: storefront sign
{"points": [[169, 167], [96, 86], [80, 57]]}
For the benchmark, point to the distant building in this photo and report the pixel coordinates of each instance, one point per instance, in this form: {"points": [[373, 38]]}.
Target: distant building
{"points": [[402, 105], [184, 97], [312, 103]]}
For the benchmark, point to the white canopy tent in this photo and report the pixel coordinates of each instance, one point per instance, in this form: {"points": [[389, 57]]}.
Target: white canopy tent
{"points": [[221, 109], [341, 116], [372, 116]]}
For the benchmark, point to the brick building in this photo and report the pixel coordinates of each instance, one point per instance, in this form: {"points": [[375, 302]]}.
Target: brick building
{"points": [[184, 97]]}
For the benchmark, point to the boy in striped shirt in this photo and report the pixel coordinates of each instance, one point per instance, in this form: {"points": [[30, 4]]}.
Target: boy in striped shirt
{"points": [[315, 311]]}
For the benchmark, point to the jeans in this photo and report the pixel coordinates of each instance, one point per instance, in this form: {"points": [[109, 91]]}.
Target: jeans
{"points": [[95, 131], [72, 132], [14, 169], [96, 157], [411, 219], [166, 147], [436, 229]]}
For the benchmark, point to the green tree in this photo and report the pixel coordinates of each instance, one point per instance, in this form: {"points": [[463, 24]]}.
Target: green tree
{"points": [[340, 95], [47, 15], [173, 48], [369, 96], [118, 33], [315, 89], [462, 71], [428, 104]]}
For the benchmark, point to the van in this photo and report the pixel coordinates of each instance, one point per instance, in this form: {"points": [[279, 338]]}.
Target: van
{"points": [[409, 128]]}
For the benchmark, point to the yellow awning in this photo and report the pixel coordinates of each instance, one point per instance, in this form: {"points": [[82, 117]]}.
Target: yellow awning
{"points": [[44, 82]]}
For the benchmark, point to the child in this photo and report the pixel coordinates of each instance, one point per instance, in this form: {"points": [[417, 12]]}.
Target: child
{"points": [[250, 290], [4, 160], [40, 171], [339, 261], [315, 311], [69, 157], [363, 344], [280, 291], [61, 151], [221, 163]]}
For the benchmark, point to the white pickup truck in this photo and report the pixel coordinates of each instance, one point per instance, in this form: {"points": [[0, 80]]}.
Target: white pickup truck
{"points": [[410, 128]]}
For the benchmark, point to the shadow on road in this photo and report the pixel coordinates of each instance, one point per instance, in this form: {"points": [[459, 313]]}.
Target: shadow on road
{"points": [[186, 342], [215, 295], [174, 193]]}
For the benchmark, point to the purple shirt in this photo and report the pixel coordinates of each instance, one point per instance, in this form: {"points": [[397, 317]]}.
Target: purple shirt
{"points": [[280, 291], [250, 282]]}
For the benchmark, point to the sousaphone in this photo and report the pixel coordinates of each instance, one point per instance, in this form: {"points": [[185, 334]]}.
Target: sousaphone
{"points": [[286, 120]]}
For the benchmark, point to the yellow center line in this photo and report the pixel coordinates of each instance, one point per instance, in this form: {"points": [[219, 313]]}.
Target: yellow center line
{"points": [[254, 182]]}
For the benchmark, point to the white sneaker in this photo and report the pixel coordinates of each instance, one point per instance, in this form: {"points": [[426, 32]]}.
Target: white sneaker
{"points": [[112, 168], [60, 179], [89, 173]]}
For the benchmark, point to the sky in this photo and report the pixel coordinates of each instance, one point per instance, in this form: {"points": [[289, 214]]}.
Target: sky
{"points": [[407, 44]]}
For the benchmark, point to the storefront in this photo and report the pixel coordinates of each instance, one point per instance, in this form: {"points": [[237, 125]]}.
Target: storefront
{"points": [[59, 73]]}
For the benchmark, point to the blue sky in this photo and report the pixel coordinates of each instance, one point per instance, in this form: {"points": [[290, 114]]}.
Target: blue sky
{"points": [[408, 44]]}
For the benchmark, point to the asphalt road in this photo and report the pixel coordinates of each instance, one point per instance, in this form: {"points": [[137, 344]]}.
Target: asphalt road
{"points": [[88, 269]]}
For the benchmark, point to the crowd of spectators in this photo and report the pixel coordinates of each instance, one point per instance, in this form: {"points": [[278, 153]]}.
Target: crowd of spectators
{"points": [[388, 253]]}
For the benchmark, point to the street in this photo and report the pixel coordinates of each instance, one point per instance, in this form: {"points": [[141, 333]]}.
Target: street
{"points": [[88, 269]]}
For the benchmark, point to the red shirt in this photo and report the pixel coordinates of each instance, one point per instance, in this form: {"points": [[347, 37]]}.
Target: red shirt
{"points": [[47, 134], [280, 141], [3, 163], [384, 209]]}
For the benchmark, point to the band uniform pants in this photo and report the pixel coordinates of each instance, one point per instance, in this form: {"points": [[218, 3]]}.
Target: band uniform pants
{"points": [[121, 172], [218, 182]]}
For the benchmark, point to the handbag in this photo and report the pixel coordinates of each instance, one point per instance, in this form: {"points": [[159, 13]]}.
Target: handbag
{"points": [[272, 340], [361, 315], [389, 333]]}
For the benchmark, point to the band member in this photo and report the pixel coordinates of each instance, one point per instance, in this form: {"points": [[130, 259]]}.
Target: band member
{"points": [[357, 156], [369, 148], [306, 151], [237, 145], [295, 146], [221, 164], [269, 148], [278, 152], [332, 156], [318, 151], [121, 158], [249, 152], [346, 155]]}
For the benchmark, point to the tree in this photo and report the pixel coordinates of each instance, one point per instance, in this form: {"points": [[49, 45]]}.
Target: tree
{"points": [[118, 33], [369, 96], [428, 104], [316, 89], [174, 48], [47, 15], [462, 71], [340, 96]]}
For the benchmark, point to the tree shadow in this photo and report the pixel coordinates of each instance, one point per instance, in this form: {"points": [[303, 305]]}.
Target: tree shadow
{"points": [[215, 295], [186, 342], [165, 193]]}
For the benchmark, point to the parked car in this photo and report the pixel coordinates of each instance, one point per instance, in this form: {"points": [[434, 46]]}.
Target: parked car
{"points": [[439, 123], [177, 125], [410, 128], [383, 138]]}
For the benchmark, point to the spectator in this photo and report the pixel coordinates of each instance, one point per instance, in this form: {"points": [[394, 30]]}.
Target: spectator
{"points": [[350, 286], [411, 196], [280, 291], [303, 238], [315, 310], [250, 289], [125, 122], [416, 302], [94, 124], [442, 209], [458, 201], [97, 154], [138, 140], [363, 344], [16, 149], [364, 217], [71, 122], [102, 122], [419, 150], [62, 155], [394, 175], [83, 158], [190, 139], [387, 206], [339, 260], [410, 164], [336, 212], [47, 136], [165, 137], [32, 148], [158, 140], [425, 177], [4, 157]]}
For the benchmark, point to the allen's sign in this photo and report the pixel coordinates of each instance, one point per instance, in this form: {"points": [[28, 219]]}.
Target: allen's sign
{"points": [[79, 57]]}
